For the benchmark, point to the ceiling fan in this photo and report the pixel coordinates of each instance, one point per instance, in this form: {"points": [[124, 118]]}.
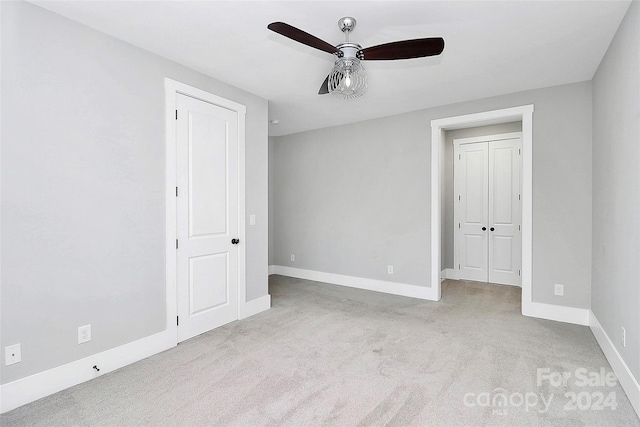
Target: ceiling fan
{"points": [[348, 78]]}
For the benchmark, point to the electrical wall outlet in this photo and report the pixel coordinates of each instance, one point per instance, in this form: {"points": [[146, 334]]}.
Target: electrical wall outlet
{"points": [[293, 258], [12, 354], [252, 220], [389, 269], [624, 337], [559, 290], [84, 334]]}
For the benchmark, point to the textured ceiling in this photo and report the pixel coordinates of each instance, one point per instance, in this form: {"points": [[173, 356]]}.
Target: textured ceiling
{"points": [[492, 48]]}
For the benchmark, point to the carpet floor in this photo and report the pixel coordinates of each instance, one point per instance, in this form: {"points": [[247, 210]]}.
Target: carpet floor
{"points": [[336, 356]]}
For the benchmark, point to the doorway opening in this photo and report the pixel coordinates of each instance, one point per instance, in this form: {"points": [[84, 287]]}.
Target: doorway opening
{"points": [[439, 127]]}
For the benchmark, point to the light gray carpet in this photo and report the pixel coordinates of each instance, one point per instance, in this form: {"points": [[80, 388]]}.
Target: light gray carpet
{"points": [[329, 355]]}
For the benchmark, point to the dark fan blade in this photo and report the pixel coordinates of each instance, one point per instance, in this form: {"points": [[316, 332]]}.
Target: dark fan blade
{"points": [[324, 89], [302, 37], [405, 49]]}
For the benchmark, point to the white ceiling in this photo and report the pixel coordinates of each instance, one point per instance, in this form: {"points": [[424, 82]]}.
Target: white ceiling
{"points": [[491, 48]]}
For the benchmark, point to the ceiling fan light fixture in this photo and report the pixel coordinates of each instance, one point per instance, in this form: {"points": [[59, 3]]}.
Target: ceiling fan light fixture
{"points": [[348, 78]]}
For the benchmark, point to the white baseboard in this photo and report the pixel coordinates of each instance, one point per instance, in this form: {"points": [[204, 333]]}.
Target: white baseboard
{"points": [[628, 382], [255, 306], [393, 288], [559, 313], [42, 384], [447, 273]]}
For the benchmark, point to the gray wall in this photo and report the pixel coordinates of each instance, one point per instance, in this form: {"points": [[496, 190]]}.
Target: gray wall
{"points": [[616, 190], [353, 199], [447, 259], [83, 175]]}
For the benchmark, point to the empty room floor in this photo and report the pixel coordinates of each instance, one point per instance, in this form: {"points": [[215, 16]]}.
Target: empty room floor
{"points": [[331, 355]]}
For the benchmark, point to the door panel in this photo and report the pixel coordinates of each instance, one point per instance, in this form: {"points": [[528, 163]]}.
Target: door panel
{"points": [[207, 262], [475, 182], [474, 252], [501, 184], [208, 184], [204, 272], [502, 254]]}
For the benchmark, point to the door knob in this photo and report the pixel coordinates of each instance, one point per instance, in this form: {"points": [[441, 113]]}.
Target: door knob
{"points": [[492, 229], [484, 228], [235, 241]]}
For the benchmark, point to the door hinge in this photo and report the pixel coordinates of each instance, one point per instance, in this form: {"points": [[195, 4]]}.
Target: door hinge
{"points": [[518, 272], [176, 243], [176, 191], [458, 225], [519, 197], [177, 320], [459, 156], [458, 266], [518, 151], [176, 114], [459, 197], [519, 229]]}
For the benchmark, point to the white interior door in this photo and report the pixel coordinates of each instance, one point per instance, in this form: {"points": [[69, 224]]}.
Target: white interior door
{"points": [[471, 182], [207, 216], [488, 209], [505, 239]]}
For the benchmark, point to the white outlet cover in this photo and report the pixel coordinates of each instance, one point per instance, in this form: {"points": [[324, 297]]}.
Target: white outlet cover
{"points": [[293, 258], [252, 220], [390, 269], [12, 354], [559, 290], [84, 334]]}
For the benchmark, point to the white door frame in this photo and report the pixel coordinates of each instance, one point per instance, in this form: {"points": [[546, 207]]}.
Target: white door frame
{"points": [[438, 127], [172, 88], [472, 140]]}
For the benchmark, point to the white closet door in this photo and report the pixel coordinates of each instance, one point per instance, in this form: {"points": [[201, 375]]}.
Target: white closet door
{"points": [[505, 245], [207, 216], [488, 239], [472, 188]]}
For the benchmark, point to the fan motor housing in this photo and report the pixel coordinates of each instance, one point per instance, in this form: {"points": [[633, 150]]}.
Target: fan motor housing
{"points": [[349, 50]]}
